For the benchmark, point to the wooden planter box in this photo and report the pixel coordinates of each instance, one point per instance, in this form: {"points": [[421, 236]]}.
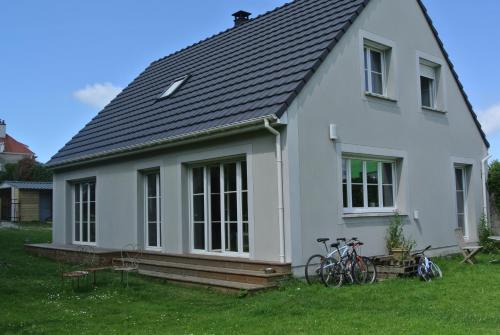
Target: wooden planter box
{"points": [[391, 267]]}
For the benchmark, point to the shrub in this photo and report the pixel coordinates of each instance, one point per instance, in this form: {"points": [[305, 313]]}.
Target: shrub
{"points": [[484, 231], [395, 236], [494, 182]]}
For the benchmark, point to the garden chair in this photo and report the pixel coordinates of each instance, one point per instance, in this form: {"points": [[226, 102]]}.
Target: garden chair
{"points": [[68, 269], [129, 261], [90, 262], [468, 250]]}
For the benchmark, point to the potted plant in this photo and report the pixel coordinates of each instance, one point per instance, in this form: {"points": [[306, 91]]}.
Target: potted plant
{"points": [[397, 244]]}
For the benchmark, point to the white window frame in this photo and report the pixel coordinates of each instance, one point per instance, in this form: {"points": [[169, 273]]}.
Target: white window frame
{"points": [[73, 203], [207, 209], [367, 69], [159, 221], [433, 82], [440, 100], [365, 209], [463, 169]]}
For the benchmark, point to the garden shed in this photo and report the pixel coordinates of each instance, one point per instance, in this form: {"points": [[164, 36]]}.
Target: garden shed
{"points": [[24, 201]]}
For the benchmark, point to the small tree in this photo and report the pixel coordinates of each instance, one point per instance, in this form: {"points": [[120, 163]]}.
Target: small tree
{"points": [[484, 231], [27, 169], [395, 236], [494, 182]]}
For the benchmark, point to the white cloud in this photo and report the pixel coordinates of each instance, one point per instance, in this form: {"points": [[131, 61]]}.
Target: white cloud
{"points": [[97, 95]]}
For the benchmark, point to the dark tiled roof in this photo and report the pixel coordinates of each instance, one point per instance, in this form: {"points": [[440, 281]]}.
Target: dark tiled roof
{"points": [[28, 185], [246, 72]]}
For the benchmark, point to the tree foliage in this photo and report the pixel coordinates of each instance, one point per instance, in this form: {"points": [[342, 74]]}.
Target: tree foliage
{"points": [[27, 169]]}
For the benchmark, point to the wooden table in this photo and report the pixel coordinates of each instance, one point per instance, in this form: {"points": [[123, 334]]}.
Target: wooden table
{"points": [[494, 238]]}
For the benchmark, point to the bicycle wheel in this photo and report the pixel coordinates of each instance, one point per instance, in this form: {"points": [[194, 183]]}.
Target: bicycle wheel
{"points": [[359, 270], [422, 272], [436, 271], [332, 273], [371, 275], [313, 269]]}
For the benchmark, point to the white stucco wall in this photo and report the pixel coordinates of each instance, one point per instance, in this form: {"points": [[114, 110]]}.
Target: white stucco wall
{"points": [[119, 194], [429, 142]]}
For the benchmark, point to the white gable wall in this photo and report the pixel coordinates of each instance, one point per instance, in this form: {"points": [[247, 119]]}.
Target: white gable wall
{"points": [[428, 141]]}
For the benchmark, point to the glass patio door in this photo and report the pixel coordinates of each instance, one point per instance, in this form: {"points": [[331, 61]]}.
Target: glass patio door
{"points": [[219, 208], [152, 210], [461, 196]]}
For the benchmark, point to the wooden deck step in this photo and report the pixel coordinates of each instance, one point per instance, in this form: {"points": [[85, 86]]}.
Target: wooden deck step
{"points": [[259, 277], [206, 282]]}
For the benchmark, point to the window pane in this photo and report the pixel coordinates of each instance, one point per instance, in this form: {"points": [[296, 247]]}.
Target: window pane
{"points": [[365, 57], [216, 240], [344, 170], [199, 235], [461, 221], [230, 207], [357, 196], [198, 207], [232, 236], [92, 211], [77, 192], [85, 192], [459, 179], [152, 209], [387, 173], [426, 91], [230, 177], [376, 60], [344, 195], [92, 231], [215, 207], [388, 195], [77, 222], [460, 202], [92, 191], [372, 172], [377, 83], [215, 179], [198, 180], [244, 206], [152, 234], [245, 237], [356, 171], [151, 185], [85, 233], [373, 196], [244, 185]]}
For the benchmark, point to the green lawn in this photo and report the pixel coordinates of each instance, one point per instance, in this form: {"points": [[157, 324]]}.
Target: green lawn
{"points": [[32, 301]]}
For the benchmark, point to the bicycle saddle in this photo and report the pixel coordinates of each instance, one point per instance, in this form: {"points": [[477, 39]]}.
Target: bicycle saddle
{"points": [[354, 238], [334, 245], [322, 239], [341, 239]]}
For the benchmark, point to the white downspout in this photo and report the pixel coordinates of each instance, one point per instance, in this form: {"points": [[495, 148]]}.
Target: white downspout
{"points": [[279, 168], [483, 177]]}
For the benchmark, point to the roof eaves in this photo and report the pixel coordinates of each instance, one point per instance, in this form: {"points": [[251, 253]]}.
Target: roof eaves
{"points": [[455, 75]]}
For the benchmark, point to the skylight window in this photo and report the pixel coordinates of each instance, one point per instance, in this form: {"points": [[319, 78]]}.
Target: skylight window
{"points": [[173, 87]]}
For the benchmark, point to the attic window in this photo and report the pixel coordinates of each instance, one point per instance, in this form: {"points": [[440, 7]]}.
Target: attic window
{"points": [[173, 87]]}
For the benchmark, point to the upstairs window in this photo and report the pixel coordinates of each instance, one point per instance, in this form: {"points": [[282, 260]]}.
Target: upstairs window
{"points": [[374, 70], [174, 86], [428, 86]]}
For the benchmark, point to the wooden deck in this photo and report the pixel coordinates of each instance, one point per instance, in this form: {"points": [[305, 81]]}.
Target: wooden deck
{"points": [[226, 273]]}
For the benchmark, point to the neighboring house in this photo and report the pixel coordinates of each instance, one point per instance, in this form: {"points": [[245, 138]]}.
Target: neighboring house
{"points": [[23, 201], [11, 151], [319, 118]]}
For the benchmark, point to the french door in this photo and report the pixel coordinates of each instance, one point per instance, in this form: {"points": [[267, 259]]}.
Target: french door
{"points": [[219, 208], [152, 210], [461, 196], [84, 219]]}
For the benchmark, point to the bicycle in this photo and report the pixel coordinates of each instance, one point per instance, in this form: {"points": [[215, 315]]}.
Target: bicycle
{"points": [[349, 266], [426, 268]]}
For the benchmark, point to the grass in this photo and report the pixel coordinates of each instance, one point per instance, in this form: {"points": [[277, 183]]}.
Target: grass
{"points": [[32, 301]]}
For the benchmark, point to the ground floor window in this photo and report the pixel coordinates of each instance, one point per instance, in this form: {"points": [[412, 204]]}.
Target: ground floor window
{"points": [[368, 185], [219, 207], [461, 195], [84, 213], [152, 212]]}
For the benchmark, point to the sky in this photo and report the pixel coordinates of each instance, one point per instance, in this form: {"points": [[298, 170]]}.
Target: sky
{"points": [[61, 61]]}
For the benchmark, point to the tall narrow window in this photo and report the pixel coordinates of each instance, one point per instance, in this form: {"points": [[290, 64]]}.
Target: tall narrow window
{"points": [[461, 195], [152, 210], [374, 71], [367, 185], [220, 208], [84, 211], [428, 86]]}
